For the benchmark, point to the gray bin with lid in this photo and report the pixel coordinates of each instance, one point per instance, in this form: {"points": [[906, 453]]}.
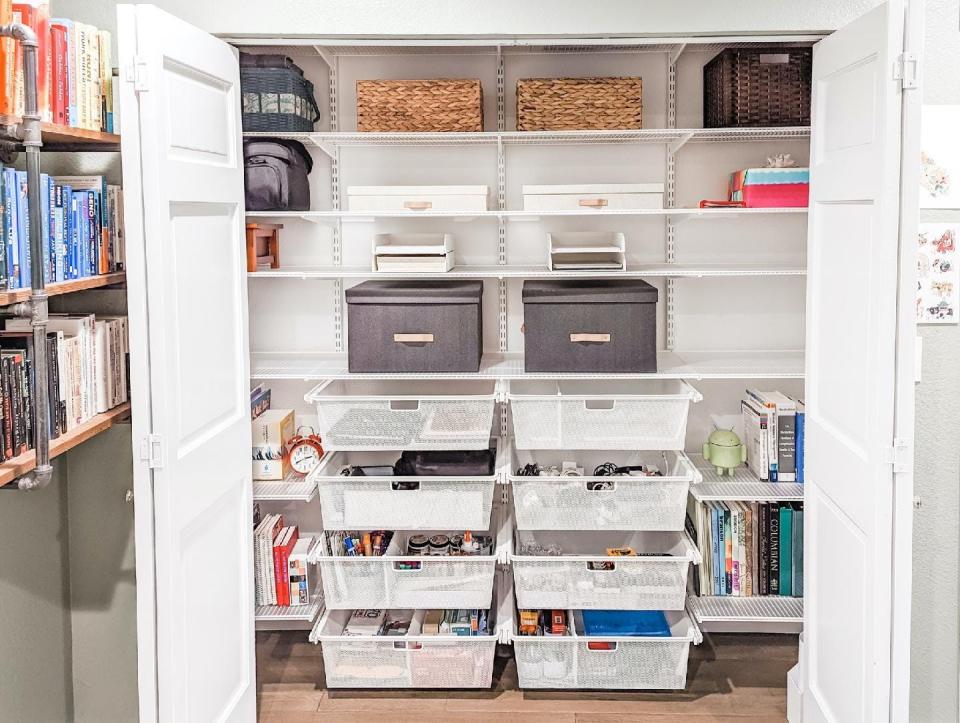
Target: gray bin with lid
{"points": [[414, 326], [590, 326]]}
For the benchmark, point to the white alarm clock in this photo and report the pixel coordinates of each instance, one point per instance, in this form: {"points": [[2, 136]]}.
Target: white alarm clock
{"points": [[305, 451]]}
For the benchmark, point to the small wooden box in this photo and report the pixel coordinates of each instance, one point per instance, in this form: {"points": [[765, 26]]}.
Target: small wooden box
{"points": [[263, 246]]}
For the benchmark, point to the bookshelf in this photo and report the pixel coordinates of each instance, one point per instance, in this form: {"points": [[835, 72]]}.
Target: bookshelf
{"points": [[21, 465], [65, 287]]}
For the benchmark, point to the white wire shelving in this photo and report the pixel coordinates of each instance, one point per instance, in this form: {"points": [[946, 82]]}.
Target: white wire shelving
{"points": [[292, 613], [691, 365], [293, 488], [742, 486], [767, 613]]}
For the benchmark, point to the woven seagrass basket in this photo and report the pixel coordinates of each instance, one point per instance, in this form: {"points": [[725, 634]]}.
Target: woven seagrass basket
{"points": [[423, 106], [570, 104]]}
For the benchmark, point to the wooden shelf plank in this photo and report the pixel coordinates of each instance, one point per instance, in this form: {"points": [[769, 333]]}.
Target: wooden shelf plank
{"points": [[65, 287], [58, 135], [19, 466]]}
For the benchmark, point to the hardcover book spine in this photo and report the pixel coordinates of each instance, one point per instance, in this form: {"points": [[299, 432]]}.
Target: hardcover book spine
{"points": [[774, 573], [727, 550], [7, 409], [786, 550], [763, 565]]}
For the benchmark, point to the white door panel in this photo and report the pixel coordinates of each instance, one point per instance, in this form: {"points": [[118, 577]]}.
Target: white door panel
{"points": [[851, 372], [185, 123]]}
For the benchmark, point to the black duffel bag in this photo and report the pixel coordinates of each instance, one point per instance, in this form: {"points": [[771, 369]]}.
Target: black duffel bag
{"points": [[276, 175]]}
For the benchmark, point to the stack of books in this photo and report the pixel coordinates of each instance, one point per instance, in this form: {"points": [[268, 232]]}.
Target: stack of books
{"points": [[280, 563], [774, 426], [82, 228], [87, 372], [749, 548], [75, 81]]}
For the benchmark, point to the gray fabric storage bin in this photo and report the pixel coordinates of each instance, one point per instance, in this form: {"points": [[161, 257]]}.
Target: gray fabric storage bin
{"points": [[414, 326], [593, 326]]}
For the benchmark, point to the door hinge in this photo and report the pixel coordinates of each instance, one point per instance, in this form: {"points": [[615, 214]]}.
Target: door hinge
{"points": [[152, 451], [905, 70], [136, 72], [900, 454]]}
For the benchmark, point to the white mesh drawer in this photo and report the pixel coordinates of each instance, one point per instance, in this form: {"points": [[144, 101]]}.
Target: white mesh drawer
{"points": [[572, 570], [592, 502], [383, 582], [357, 415], [407, 661], [600, 414], [629, 663], [348, 503]]}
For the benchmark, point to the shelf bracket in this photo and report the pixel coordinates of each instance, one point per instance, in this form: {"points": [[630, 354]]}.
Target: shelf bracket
{"points": [[676, 52], [680, 142]]}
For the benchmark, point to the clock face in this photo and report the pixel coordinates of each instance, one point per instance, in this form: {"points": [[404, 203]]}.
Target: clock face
{"points": [[304, 457]]}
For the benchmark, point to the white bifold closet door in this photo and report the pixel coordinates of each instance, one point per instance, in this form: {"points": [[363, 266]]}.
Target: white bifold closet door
{"points": [[852, 325], [183, 176]]}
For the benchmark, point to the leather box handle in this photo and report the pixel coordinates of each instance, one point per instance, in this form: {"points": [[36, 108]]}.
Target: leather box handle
{"points": [[418, 205], [596, 338], [413, 338], [593, 202]]}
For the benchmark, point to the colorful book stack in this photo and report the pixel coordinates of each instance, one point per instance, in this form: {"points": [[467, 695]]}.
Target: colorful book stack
{"points": [[774, 429], [82, 232], [74, 69], [750, 548], [87, 363], [280, 563]]}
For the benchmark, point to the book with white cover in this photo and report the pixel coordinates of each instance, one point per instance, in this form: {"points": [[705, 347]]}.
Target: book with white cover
{"points": [[299, 572], [755, 437]]}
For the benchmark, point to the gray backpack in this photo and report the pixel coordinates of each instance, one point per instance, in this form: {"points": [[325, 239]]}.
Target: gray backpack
{"points": [[276, 175]]}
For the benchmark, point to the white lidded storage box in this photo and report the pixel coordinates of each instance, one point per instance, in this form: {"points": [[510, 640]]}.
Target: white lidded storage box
{"points": [[413, 252], [601, 414], [609, 662], [389, 582], [413, 660], [591, 501], [595, 197], [362, 415], [418, 199], [555, 570], [385, 502], [586, 250]]}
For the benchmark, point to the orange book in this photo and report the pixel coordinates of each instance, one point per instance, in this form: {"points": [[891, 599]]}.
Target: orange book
{"points": [[7, 62], [36, 14]]}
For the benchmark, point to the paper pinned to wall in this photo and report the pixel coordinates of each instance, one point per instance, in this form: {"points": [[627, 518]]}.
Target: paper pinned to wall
{"points": [[938, 280], [940, 157]]}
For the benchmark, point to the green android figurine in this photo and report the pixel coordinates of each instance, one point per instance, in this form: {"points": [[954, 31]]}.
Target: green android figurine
{"points": [[724, 451]]}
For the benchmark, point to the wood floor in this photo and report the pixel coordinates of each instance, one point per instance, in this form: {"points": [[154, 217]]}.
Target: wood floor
{"points": [[736, 678]]}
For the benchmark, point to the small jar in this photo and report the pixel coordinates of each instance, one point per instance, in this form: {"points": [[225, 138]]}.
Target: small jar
{"points": [[418, 545], [439, 545]]}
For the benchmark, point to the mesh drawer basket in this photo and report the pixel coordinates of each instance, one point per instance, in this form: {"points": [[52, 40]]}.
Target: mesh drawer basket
{"points": [[405, 661], [570, 104], [748, 87], [276, 96], [430, 106], [413, 415], [349, 503], [383, 582], [627, 663], [583, 576], [550, 502], [638, 415]]}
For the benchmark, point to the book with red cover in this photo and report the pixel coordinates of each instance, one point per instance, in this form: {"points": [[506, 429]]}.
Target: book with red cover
{"points": [[7, 64], [36, 14], [59, 74], [285, 549]]}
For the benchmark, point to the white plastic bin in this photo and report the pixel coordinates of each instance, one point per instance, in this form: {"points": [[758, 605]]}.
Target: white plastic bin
{"points": [[655, 579], [440, 582], [405, 661], [632, 663], [350, 503], [548, 502], [601, 414], [364, 415]]}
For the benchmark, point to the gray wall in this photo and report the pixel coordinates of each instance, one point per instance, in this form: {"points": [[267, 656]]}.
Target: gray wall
{"points": [[934, 670]]}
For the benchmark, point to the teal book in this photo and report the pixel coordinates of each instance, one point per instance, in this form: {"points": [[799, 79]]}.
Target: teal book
{"points": [[798, 552], [786, 550]]}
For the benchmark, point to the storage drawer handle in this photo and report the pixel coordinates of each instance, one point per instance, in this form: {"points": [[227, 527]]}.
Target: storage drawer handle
{"points": [[600, 404], [601, 486], [407, 566], [774, 58], [418, 205], [587, 338], [404, 404], [413, 338], [601, 646], [593, 202], [605, 566]]}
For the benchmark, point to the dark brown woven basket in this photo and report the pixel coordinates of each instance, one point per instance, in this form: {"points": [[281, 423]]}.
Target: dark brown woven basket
{"points": [[418, 106], [570, 104], [750, 87]]}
